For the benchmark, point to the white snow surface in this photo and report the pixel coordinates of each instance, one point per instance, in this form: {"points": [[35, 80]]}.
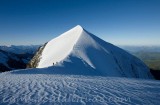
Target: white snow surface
{"points": [[35, 87], [57, 49], [80, 52]]}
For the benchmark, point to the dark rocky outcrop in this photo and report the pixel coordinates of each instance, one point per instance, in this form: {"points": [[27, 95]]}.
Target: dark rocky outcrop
{"points": [[35, 60]]}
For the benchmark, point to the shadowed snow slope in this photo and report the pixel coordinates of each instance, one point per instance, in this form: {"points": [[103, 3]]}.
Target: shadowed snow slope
{"points": [[78, 51]]}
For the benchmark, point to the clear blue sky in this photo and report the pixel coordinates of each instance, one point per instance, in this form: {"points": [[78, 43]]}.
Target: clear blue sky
{"points": [[121, 22]]}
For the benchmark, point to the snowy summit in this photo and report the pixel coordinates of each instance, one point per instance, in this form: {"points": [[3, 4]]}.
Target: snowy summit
{"points": [[81, 69], [59, 48], [79, 52]]}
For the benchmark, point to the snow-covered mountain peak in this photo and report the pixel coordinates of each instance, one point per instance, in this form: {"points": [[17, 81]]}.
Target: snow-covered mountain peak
{"points": [[79, 52], [78, 26], [59, 48]]}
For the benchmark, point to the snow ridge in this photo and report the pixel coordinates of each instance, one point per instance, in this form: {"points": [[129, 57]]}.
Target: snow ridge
{"points": [[79, 52], [59, 48]]}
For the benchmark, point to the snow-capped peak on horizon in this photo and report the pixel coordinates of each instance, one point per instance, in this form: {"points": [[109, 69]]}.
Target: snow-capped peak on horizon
{"points": [[78, 26], [77, 51]]}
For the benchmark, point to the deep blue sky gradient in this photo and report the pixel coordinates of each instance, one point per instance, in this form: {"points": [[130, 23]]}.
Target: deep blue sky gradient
{"points": [[121, 22]]}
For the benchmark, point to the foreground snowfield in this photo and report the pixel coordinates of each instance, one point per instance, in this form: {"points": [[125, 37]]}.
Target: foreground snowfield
{"points": [[35, 89]]}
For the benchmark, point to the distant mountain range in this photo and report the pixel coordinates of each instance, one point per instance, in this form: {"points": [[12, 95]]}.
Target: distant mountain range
{"points": [[16, 57], [148, 54], [134, 49], [21, 49]]}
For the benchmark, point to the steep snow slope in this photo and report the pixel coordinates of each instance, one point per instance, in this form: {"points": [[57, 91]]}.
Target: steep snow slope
{"points": [[24, 88], [57, 49], [79, 51]]}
